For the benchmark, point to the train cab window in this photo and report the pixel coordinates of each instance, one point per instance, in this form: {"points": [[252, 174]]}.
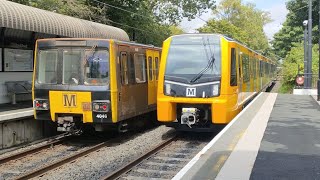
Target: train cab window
{"points": [[233, 71], [156, 63], [47, 67], [150, 68], [71, 67], [139, 68], [124, 68], [96, 67]]}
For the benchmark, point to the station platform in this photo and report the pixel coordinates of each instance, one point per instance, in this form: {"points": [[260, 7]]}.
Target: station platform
{"points": [[276, 136], [15, 111]]}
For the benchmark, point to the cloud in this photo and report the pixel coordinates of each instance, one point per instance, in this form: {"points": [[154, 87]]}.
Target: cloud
{"points": [[278, 14]]}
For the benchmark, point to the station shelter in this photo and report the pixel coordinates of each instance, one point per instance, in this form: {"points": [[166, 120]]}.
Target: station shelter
{"points": [[21, 26]]}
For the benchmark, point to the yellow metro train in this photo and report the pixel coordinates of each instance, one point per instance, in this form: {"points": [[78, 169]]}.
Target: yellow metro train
{"points": [[206, 79], [97, 82]]}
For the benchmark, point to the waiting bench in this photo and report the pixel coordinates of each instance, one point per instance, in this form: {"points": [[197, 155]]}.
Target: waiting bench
{"points": [[18, 87]]}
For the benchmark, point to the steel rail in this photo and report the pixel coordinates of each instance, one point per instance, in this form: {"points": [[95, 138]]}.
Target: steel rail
{"points": [[33, 150], [56, 164], [126, 168]]}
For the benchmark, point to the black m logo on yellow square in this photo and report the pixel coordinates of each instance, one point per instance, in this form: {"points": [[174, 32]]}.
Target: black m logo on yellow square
{"points": [[69, 100]]}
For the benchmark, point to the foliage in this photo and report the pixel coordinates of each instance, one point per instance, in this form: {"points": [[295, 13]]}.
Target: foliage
{"points": [[243, 22], [152, 19], [295, 59], [226, 28], [292, 30], [176, 30]]}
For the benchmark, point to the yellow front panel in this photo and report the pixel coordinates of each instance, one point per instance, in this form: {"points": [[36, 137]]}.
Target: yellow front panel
{"points": [[113, 82], [69, 102]]}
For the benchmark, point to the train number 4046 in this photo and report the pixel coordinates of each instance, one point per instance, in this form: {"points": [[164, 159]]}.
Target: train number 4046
{"points": [[100, 116]]}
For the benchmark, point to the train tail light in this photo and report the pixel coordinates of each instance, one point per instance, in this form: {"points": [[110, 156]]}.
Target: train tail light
{"points": [[100, 106], [41, 104]]}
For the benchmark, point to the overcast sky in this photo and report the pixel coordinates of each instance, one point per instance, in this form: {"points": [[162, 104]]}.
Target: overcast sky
{"points": [[277, 9]]}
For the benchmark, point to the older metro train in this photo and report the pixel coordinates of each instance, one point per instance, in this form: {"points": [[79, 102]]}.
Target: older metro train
{"points": [[99, 82], [206, 79]]}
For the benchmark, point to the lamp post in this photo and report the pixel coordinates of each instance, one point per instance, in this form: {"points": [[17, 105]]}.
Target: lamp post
{"points": [[305, 24], [319, 55], [309, 45]]}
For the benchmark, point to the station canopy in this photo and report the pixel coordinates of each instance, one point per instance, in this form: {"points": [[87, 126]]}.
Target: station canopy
{"points": [[19, 22]]}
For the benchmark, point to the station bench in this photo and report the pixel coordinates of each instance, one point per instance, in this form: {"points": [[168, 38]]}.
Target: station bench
{"points": [[18, 87]]}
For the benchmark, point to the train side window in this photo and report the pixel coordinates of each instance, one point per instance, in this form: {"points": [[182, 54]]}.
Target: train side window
{"points": [[239, 63], [139, 68], [150, 68], [246, 68], [233, 71], [156, 59], [124, 68]]}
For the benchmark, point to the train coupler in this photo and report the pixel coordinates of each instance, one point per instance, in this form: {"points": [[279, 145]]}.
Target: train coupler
{"points": [[65, 124], [190, 116]]}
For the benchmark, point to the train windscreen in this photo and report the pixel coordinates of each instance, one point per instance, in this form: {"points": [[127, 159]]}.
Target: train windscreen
{"points": [[192, 56], [74, 66]]}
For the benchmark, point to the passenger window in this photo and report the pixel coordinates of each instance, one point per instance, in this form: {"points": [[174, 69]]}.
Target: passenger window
{"points": [[246, 68], [139, 67], [124, 68], [233, 75], [150, 68], [156, 67], [131, 69]]}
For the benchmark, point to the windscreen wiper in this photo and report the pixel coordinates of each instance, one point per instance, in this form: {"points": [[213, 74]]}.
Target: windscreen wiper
{"points": [[201, 73]]}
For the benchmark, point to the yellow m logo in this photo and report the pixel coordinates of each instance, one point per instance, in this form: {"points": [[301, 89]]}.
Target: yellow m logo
{"points": [[69, 100]]}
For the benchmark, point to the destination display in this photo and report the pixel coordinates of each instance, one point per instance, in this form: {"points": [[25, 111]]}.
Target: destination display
{"points": [[18, 60]]}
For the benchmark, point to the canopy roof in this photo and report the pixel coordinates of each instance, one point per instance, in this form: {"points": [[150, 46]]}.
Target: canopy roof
{"points": [[26, 18]]}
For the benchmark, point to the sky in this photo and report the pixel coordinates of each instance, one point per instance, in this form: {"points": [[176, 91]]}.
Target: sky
{"points": [[277, 9]]}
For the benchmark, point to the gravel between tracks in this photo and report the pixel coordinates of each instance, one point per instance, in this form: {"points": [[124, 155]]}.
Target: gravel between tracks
{"points": [[107, 159]]}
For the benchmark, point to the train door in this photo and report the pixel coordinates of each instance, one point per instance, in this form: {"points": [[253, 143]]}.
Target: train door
{"points": [[151, 77], [124, 96], [156, 73]]}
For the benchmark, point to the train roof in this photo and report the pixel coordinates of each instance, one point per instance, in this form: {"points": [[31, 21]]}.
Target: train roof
{"points": [[101, 39]]}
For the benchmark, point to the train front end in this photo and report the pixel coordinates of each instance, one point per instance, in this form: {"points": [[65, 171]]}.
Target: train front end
{"points": [[192, 93], [72, 84]]}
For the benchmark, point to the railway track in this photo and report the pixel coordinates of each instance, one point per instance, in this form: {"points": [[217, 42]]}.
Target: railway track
{"points": [[164, 161], [47, 152], [58, 140]]}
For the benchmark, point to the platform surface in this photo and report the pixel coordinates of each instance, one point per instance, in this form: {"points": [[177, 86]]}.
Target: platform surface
{"points": [[15, 111], [276, 137]]}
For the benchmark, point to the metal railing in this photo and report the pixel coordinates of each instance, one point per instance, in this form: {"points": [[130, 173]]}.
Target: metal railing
{"points": [[300, 82]]}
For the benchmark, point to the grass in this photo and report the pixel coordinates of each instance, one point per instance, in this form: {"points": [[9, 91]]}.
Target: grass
{"points": [[286, 88]]}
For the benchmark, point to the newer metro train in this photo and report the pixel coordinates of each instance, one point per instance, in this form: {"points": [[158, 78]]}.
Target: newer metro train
{"points": [[206, 79], [98, 82]]}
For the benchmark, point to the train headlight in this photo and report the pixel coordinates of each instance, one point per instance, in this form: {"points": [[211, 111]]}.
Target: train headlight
{"points": [[41, 104], [215, 89], [168, 89]]}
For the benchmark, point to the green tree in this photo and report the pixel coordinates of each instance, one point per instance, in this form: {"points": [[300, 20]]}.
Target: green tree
{"points": [[295, 60], [292, 30], [241, 21], [226, 28]]}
